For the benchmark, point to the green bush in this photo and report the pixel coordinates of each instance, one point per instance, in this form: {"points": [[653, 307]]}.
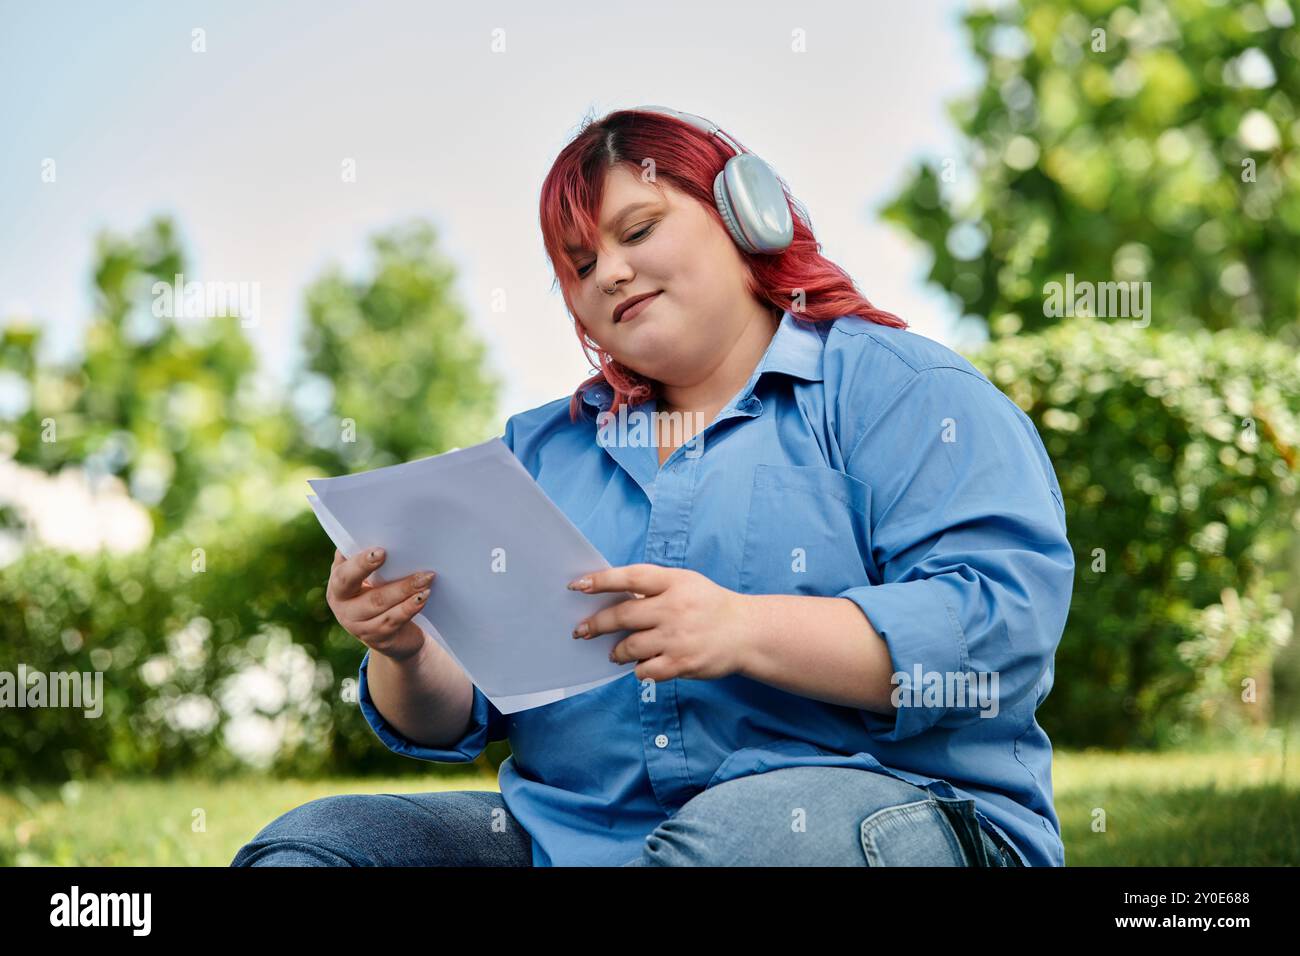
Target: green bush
{"points": [[193, 661], [1176, 455], [240, 664]]}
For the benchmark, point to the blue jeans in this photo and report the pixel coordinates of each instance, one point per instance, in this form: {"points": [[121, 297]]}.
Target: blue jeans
{"points": [[797, 816]]}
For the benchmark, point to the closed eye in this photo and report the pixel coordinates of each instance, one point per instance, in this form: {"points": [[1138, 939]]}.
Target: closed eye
{"points": [[635, 237]]}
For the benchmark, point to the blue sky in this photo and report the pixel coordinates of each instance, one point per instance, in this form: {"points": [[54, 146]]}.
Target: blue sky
{"points": [[243, 143]]}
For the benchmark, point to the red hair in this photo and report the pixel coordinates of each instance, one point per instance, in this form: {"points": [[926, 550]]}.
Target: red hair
{"points": [[689, 159]]}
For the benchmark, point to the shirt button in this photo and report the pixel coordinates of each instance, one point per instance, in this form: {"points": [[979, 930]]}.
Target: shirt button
{"points": [[661, 741]]}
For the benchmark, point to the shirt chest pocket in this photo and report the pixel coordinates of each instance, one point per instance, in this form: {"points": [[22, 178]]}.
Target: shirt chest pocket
{"points": [[808, 532]]}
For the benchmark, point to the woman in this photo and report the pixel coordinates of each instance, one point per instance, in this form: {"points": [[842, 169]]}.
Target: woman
{"points": [[849, 564]]}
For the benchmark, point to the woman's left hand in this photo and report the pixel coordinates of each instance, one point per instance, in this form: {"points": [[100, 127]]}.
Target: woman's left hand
{"points": [[683, 624]]}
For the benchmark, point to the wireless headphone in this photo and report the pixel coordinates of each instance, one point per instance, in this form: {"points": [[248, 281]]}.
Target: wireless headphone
{"points": [[747, 193]]}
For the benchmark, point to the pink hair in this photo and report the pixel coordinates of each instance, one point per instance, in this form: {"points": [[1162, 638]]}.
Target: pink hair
{"points": [[689, 159]]}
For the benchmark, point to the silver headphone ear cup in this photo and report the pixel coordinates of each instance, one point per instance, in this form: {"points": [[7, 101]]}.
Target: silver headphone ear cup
{"points": [[724, 209], [747, 193], [757, 205]]}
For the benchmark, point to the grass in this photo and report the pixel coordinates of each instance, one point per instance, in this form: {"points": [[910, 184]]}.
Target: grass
{"points": [[1204, 808], [1194, 807], [178, 822]]}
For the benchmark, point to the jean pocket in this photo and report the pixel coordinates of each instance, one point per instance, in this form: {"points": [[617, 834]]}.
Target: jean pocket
{"points": [[960, 814], [911, 834], [1001, 853]]}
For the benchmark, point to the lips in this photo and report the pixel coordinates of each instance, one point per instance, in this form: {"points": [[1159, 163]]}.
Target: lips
{"points": [[623, 307]]}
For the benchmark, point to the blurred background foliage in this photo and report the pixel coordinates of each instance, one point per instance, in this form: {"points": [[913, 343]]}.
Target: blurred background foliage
{"points": [[1161, 149], [208, 618], [1150, 141], [1176, 454]]}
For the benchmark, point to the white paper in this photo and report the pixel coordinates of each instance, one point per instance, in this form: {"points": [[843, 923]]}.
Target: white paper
{"points": [[503, 552]]}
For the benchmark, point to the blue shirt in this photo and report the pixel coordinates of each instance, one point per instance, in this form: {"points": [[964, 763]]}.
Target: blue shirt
{"points": [[858, 461]]}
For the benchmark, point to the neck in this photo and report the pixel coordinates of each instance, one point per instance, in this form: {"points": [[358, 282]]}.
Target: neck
{"points": [[726, 378]]}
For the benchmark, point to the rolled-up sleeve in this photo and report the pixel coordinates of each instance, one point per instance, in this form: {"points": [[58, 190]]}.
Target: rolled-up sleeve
{"points": [[969, 534], [486, 724]]}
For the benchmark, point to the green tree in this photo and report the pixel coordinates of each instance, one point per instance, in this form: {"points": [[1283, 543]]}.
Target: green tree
{"points": [[1123, 142], [160, 401], [392, 371]]}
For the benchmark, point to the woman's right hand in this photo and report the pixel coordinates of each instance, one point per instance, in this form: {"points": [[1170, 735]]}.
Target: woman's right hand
{"points": [[379, 617]]}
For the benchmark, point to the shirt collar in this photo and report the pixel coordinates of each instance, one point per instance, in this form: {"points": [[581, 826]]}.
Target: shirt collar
{"points": [[795, 349]]}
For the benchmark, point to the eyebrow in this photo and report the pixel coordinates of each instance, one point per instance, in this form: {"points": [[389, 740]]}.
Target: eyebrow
{"points": [[630, 207]]}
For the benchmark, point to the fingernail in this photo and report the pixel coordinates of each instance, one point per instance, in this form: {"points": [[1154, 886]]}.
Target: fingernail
{"points": [[580, 630], [376, 554], [580, 585], [422, 579], [419, 598]]}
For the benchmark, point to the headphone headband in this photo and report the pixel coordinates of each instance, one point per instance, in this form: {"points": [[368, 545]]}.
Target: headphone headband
{"points": [[699, 122], [747, 193]]}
